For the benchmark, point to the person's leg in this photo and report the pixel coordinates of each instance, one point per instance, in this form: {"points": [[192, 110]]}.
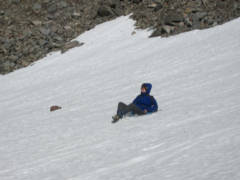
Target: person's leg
{"points": [[122, 109], [135, 110]]}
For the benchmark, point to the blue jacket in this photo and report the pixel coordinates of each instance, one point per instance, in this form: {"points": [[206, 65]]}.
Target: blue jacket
{"points": [[145, 101]]}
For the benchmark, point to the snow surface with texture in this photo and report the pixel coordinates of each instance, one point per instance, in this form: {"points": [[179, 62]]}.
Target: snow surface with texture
{"points": [[195, 135]]}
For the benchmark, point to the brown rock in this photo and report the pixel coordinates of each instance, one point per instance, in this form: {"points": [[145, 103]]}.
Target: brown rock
{"points": [[54, 108], [152, 5]]}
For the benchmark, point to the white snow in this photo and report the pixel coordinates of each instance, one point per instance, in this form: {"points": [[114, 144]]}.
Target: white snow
{"points": [[195, 136]]}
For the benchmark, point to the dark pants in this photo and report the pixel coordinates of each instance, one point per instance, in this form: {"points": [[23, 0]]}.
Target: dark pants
{"points": [[123, 109]]}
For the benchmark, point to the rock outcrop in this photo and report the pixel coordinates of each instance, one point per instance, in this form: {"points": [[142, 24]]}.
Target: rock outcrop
{"points": [[31, 29]]}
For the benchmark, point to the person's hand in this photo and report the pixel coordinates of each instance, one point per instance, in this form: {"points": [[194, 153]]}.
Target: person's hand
{"points": [[145, 111]]}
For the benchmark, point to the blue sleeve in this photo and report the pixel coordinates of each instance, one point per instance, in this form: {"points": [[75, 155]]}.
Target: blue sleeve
{"points": [[154, 106]]}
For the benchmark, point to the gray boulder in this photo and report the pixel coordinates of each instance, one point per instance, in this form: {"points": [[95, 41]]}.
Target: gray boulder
{"points": [[104, 11], [70, 45], [37, 7]]}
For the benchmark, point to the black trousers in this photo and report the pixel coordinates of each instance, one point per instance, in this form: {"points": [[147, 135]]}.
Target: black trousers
{"points": [[123, 109]]}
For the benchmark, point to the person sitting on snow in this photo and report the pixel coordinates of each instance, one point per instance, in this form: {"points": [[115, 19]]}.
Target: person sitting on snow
{"points": [[142, 104]]}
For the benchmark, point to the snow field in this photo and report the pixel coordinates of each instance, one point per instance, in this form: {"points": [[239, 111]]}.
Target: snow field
{"points": [[195, 135]]}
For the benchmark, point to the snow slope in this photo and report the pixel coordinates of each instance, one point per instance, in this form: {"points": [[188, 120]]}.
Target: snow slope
{"points": [[195, 136]]}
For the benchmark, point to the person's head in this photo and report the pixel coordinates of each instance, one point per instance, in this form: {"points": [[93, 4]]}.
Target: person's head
{"points": [[146, 88], [143, 89]]}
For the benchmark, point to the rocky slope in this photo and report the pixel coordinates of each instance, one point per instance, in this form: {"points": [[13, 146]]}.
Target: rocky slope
{"points": [[31, 29]]}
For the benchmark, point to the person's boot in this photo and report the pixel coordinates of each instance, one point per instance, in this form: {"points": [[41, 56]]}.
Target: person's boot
{"points": [[115, 118]]}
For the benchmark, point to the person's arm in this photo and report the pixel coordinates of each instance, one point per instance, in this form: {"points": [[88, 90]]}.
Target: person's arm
{"points": [[154, 105]]}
